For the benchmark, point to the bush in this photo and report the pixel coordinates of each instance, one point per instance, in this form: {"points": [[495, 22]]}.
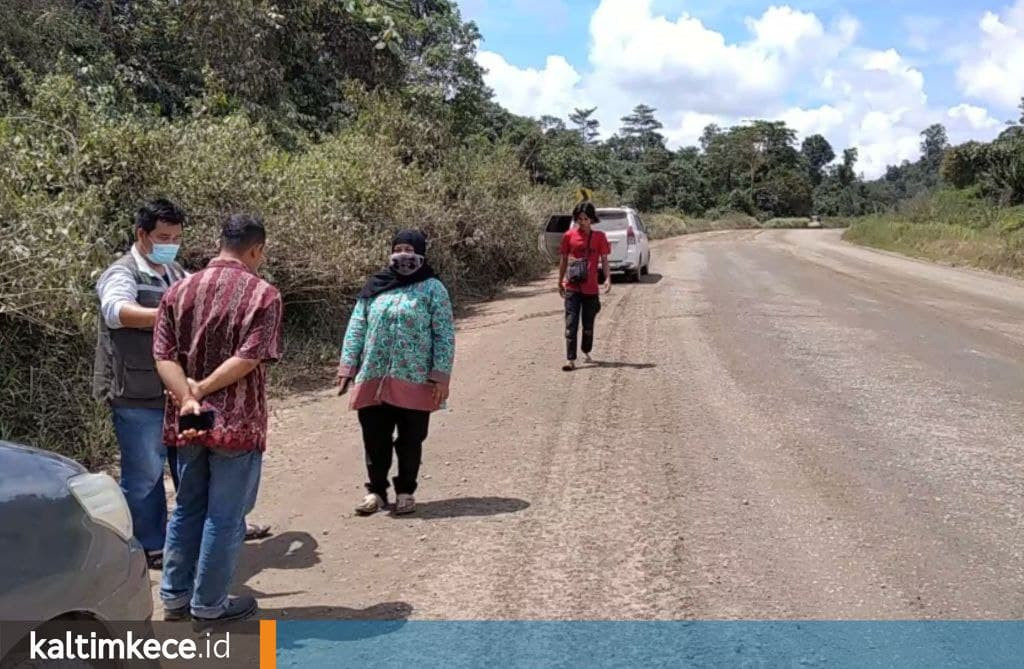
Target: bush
{"points": [[736, 221], [776, 223], [72, 172], [951, 207], [958, 234], [663, 226]]}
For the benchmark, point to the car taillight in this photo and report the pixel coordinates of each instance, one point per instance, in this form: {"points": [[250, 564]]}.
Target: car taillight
{"points": [[631, 236]]}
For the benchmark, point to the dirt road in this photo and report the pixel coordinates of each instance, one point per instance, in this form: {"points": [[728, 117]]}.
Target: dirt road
{"points": [[781, 426]]}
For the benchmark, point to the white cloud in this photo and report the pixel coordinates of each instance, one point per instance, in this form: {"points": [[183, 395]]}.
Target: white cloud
{"points": [[529, 91], [823, 120], [690, 127], [992, 67], [682, 64], [976, 117], [792, 67], [924, 32], [784, 28]]}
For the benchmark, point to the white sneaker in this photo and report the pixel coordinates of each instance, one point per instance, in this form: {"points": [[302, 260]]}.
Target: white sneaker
{"points": [[569, 366], [370, 505], [405, 504], [587, 359]]}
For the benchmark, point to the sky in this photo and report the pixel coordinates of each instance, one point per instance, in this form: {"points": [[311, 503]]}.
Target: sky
{"points": [[865, 73]]}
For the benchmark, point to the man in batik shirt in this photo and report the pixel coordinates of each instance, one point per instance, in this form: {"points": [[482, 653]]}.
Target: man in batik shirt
{"points": [[214, 330]]}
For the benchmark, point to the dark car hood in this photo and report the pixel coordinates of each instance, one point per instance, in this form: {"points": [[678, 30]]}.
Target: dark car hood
{"points": [[12, 452], [31, 471]]}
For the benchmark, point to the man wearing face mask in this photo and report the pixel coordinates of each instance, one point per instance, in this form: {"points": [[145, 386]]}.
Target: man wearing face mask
{"points": [[125, 376], [214, 331]]}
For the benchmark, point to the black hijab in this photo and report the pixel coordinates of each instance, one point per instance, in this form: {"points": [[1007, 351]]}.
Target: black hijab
{"points": [[388, 279]]}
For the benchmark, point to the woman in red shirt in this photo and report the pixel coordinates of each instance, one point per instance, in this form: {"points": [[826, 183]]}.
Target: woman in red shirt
{"points": [[583, 248]]}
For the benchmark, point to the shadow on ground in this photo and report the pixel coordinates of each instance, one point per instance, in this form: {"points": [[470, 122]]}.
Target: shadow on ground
{"points": [[391, 612], [602, 364], [299, 550], [463, 507]]}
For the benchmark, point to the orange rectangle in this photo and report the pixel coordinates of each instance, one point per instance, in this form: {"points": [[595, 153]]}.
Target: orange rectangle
{"points": [[268, 644]]}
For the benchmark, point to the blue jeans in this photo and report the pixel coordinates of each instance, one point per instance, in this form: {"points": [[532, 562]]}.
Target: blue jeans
{"points": [[140, 436], [217, 489]]}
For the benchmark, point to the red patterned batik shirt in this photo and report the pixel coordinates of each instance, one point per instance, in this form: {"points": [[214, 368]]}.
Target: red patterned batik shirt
{"points": [[222, 312]]}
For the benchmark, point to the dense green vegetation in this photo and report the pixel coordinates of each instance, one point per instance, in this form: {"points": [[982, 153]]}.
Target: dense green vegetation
{"points": [[340, 121], [960, 205]]}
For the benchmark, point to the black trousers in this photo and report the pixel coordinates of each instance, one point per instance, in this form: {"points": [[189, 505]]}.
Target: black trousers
{"points": [[172, 462], [380, 423], [577, 305]]}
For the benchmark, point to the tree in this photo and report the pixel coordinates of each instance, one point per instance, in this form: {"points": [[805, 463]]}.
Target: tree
{"points": [[785, 192], [640, 130], [689, 188], [585, 125], [708, 137], [964, 165], [1005, 174], [845, 173], [551, 124], [934, 144], [818, 153]]}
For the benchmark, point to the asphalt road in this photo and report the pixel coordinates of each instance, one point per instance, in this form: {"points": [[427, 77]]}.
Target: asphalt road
{"points": [[780, 426]]}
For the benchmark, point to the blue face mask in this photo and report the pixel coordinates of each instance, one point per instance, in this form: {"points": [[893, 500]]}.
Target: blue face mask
{"points": [[163, 254]]}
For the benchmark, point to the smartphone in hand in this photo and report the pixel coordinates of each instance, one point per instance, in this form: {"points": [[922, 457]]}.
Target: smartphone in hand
{"points": [[201, 422]]}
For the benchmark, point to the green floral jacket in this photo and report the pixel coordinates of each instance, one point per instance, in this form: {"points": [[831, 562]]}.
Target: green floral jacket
{"points": [[398, 345]]}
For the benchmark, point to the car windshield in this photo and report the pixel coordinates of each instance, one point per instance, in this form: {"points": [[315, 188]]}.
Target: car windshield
{"points": [[612, 221]]}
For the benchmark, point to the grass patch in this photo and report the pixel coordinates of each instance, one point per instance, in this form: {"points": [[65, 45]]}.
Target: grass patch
{"points": [[997, 247], [664, 226]]}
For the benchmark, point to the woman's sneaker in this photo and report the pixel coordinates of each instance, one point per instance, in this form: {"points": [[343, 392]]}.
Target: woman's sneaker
{"points": [[587, 359], [370, 505], [405, 505], [569, 366]]}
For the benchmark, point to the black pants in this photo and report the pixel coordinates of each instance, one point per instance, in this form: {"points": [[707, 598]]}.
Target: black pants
{"points": [[379, 426], [577, 304], [172, 462]]}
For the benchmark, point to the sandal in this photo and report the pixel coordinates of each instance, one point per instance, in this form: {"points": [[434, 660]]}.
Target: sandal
{"points": [[155, 560], [254, 531]]}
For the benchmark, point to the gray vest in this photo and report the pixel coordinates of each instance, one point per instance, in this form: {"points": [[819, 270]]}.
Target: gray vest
{"points": [[125, 372]]}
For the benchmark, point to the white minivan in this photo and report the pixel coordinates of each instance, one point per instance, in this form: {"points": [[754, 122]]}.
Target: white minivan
{"points": [[627, 235]]}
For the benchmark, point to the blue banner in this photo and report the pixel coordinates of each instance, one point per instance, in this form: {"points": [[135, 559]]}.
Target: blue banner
{"points": [[599, 645]]}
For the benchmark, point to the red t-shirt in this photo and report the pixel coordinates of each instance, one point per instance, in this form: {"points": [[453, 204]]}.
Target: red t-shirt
{"points": [[574, 245]]}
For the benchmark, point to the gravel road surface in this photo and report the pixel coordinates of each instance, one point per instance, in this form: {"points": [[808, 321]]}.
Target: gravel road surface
{"points": [[779, 426]]}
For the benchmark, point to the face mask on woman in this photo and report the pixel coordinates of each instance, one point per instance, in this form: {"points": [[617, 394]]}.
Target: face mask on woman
{"points": [[406, 264]]}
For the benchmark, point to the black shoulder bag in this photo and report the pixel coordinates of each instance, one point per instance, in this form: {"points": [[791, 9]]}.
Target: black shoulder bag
{"points": [[580, 267]]}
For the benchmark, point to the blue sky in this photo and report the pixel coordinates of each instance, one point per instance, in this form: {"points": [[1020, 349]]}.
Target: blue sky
{"points": [[864, 73]]}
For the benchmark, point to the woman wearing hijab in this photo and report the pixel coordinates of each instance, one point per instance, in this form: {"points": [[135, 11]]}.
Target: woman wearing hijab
{"points": [[397, 358]]}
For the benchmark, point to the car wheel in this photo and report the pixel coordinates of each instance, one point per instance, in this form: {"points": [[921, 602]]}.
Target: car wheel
{"points": [[634, 277]]}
